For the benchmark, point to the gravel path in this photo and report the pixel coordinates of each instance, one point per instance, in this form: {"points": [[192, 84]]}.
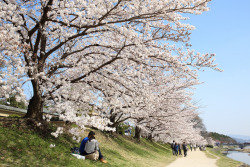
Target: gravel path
{"points": [[194, 159]]}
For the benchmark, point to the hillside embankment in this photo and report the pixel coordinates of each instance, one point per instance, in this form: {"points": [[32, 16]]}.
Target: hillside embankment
{"points": [[21, 146]]}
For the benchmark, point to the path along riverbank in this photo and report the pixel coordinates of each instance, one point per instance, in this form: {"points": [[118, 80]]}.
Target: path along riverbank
{"points": [[194, 159]]}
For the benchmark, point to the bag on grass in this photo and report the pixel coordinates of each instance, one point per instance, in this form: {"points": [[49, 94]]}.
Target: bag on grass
{"points": [[75, 150]]}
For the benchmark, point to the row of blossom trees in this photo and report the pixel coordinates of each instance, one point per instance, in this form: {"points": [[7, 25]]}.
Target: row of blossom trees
{"points": [[130, 59]]}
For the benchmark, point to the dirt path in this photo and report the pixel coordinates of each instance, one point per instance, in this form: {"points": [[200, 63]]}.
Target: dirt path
{"points": [[194, 159]]}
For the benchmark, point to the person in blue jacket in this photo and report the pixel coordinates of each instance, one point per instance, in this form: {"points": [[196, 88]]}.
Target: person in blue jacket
{"points": [[176, 147], [83, 143]]}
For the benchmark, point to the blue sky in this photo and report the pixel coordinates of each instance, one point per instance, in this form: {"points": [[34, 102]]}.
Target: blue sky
{"points": [[225, 96]]}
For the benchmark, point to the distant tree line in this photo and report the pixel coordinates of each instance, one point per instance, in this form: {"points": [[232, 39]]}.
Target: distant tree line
{"points": [[11, 101], [223, 138]]}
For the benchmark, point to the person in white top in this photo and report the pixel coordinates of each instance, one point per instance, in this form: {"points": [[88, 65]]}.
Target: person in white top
{"points": [[91, 146]]}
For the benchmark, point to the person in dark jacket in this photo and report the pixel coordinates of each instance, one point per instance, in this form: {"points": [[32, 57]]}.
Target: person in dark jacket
{"points": [[83, 152], [184, 146], [172, 146]]}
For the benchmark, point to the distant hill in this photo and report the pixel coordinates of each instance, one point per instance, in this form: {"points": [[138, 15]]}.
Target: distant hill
{"points": [[240, 138], [220, 137]]}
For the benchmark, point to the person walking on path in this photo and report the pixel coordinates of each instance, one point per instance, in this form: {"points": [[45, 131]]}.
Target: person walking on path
{"points": [[179, 149], [176, 147], [194, 147], [191, 146], [184, 146], [194, 159], [172, 146]]}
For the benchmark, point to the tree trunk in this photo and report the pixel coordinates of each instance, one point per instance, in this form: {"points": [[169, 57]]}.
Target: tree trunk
{"points": [[35, 108], [150, 137], [137, 133], [112, 119]]}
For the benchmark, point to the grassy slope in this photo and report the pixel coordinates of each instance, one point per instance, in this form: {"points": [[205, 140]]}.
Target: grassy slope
{"points": [[26, 148], [223, 161]]}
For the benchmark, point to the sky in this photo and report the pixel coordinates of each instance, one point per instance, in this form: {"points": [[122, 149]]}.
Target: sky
{"points": [[225, 96]]}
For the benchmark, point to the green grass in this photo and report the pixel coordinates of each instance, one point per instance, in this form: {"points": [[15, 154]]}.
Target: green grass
{"points": [[222, 161], [20, 147], [210, 155]]}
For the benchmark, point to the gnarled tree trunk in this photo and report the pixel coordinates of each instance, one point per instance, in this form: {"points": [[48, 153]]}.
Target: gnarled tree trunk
{"points": [[150, 137], [137, 133], [35, 108]]}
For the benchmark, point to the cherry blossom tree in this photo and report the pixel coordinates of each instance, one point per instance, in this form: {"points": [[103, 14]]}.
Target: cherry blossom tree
{"points": [[172, 115], [112, 54], [170, 119]]}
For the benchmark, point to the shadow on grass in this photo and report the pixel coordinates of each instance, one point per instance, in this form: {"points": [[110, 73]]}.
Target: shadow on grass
{"points": [[112, 153], [154, 147], [130, 146]]}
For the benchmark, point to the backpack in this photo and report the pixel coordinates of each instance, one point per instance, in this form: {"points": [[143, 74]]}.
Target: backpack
{"points": [[172, 145], [75, 150]]}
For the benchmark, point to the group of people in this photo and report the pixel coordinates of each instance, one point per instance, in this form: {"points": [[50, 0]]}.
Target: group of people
{"points": [[177, 147], [201, 147], [90, 148], [193, 147]]}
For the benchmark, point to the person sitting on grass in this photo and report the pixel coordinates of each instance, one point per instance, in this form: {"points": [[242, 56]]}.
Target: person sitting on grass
{"points": [[90, 148]]}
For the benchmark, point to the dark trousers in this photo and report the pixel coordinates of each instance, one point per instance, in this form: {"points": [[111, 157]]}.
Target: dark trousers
{"points": [[100, 154], [173, 150], [176, 152], [185, 153]]}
